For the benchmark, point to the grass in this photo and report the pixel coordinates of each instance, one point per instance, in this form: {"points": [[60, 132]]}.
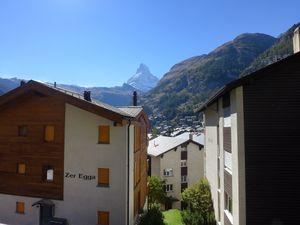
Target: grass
{"points": [[172, 217]]}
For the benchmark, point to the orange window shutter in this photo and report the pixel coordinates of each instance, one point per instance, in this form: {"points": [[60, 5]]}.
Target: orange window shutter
{"points": [[104, 134], [21, 168], [103, 218], [20, 207], [103, 176], [49, 133]]}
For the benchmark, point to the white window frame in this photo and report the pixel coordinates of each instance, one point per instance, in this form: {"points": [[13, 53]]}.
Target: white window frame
{"points": [[228, 160], [184, 179], [168, 172], [50, 174], [169, 187], [183, 163]]}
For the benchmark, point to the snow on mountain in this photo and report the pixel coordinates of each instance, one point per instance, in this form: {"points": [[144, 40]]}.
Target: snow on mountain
{"points": [[143, 79]]}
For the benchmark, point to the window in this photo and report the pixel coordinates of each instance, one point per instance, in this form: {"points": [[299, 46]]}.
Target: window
{"points": [[103, 132], [21, 168], [103, 217], [183, 155], [22, 131], [168, 172], [228, 203], [168, 187], [20, 207], [103, 176], [183, 163], [49, 133], [48, 173], [227, 160], [184, 179]]}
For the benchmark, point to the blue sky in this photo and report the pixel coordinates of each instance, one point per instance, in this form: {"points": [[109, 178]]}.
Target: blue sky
{"points": [[102, 42]]}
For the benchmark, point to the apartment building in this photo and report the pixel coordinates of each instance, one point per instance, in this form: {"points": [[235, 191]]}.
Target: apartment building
{"points": [[178, 161], [65, 158], [251, 146]]}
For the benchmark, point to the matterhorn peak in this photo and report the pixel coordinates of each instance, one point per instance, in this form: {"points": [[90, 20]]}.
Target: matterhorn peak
{"points": [[143, 79]]}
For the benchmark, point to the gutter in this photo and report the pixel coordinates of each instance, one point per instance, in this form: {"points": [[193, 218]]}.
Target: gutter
{"points": [[128, 168]]}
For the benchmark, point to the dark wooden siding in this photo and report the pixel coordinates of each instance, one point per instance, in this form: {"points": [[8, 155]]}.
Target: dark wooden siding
{"points": [[227, 139], [183, 186], [272, 152], [228, 183], [183, 155], [183, 171], [35, 112], [140, 155]]}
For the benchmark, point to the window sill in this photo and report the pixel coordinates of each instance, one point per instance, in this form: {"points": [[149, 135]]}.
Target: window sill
{"points": [[106, 143], [103, 185]]}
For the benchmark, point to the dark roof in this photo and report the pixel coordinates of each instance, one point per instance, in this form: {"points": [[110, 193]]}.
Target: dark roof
{"points": [[73, 98], [248, 78], [133, 111]]}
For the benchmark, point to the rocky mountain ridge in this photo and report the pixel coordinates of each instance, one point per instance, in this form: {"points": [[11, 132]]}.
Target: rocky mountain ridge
{"points": [[119, 95]]}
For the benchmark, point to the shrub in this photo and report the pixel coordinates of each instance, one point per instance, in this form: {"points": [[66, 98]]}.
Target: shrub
{"points": [[153, 216]]}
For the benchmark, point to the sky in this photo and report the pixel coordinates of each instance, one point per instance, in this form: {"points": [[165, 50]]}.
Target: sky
{"points": [[102, 42]]}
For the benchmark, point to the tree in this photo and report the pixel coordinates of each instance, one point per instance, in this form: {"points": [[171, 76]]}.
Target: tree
{"points": [[152, 216], [200, 206], [155, 132], [156, 193]]}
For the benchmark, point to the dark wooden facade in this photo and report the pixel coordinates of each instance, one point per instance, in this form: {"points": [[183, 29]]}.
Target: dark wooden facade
{"points": [[34, 111], [140, 158], [272, 152]]}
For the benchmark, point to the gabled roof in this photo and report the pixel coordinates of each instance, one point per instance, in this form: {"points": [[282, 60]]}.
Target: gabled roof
{"points": [[250, 78], [107, 111], [137, 112], [163, 144], [199, 137]]}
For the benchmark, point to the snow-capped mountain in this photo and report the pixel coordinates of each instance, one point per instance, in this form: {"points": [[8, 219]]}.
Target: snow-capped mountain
{"points": [[143, 79]]}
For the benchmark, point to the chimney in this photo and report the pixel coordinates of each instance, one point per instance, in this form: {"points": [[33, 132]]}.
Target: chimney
{"points": [[134, 98], [296, 40], [22, 82], [87, 96], [191, 136], [54, 84]]}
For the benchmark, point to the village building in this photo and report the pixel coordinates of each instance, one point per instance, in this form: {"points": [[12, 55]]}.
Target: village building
{"points": [[252, 145], [67, 159], [177, 161]]}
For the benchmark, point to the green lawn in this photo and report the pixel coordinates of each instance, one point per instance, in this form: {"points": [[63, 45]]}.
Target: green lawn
{"points": [[172, 217]]}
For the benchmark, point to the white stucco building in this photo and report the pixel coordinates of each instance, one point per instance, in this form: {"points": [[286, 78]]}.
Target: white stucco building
{"points": [[251, 145], [177, 160], [59, 150]]}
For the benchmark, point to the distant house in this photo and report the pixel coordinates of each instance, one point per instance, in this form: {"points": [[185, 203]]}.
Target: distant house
{"points": [[252, 146], [178, 161], [79, 160]]}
